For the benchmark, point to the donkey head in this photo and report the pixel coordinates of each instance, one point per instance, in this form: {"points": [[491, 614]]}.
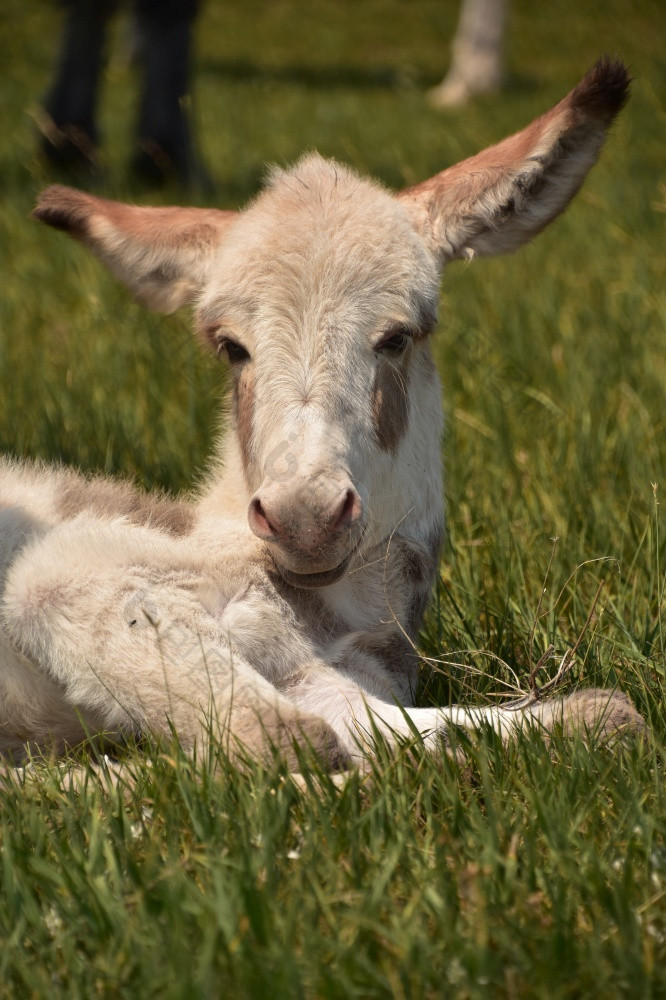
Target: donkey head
{"points": [[321, 296]]}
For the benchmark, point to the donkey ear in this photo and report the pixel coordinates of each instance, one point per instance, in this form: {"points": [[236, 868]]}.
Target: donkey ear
{"points": [[162, 254], [498, 200]]}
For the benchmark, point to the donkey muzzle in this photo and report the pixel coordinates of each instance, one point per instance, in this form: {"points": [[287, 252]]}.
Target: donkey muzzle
{"points": [[311, 530]]}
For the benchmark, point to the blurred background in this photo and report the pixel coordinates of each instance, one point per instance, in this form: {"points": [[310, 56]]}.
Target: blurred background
{"points": [[553, 361]]}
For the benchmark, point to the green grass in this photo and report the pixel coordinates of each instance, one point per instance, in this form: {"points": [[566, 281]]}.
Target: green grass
{"points": [[533, 872]]}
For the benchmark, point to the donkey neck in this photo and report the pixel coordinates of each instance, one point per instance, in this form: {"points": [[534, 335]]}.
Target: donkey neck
{"points": [[225, 493]]}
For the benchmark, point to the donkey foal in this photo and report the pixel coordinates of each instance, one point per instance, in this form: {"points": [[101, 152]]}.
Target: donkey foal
{"points": [[281, 601]]}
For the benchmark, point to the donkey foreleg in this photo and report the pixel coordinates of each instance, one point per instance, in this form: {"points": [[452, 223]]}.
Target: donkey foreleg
{"points": [[134, 648], [356, 716], [595, 713]]}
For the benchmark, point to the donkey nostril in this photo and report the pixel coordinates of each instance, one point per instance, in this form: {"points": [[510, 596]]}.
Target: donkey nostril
{"points": [[259, 522], [349, 512]]}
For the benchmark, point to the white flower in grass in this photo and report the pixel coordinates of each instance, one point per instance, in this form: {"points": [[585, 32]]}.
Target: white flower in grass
{"points": [[54, 922], [455, 972]]}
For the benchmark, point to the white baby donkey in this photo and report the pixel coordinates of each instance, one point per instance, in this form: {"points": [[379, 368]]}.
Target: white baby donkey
{"points": [[279, 606]]}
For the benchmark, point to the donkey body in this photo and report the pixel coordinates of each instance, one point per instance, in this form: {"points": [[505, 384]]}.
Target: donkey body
{"points": [[280, 603]]}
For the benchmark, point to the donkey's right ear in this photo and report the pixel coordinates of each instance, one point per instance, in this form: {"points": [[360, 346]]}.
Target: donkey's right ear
{"points": [[163, 255]]}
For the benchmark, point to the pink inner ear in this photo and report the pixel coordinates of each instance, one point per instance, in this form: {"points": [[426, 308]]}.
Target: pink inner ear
{"points": [[186, 228], [161, 254], [502, 197], [70, 210]]}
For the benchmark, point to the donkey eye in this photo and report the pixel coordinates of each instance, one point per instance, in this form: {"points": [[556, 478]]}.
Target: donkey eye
{"points": [[235, 352], [393, 342]]}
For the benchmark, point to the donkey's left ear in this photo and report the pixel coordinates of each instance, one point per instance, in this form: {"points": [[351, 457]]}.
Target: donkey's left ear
{"points": [[163, 255], [498, 200]]}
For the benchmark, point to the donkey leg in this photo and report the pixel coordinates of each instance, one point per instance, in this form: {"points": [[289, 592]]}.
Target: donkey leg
{"points": [[355, 714], [357, 702], [604, 714], [134, 648], [598, 712]]}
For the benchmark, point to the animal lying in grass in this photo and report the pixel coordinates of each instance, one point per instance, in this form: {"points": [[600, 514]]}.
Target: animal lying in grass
{"points": [[279, 606]]}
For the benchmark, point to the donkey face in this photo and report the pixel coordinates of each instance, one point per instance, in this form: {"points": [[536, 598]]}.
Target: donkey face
{"points": [[321, 296]]}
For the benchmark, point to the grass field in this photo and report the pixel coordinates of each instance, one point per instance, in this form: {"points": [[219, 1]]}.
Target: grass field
{"points": [[529, 872]]}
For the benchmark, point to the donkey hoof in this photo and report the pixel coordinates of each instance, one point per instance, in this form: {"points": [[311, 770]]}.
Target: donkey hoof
{"points": [[608, 715], [310, 735], [320, 737]]}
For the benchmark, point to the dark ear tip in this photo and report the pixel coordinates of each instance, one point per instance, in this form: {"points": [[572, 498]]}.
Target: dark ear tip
{"points": [[604, 91], [61, 207]]}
